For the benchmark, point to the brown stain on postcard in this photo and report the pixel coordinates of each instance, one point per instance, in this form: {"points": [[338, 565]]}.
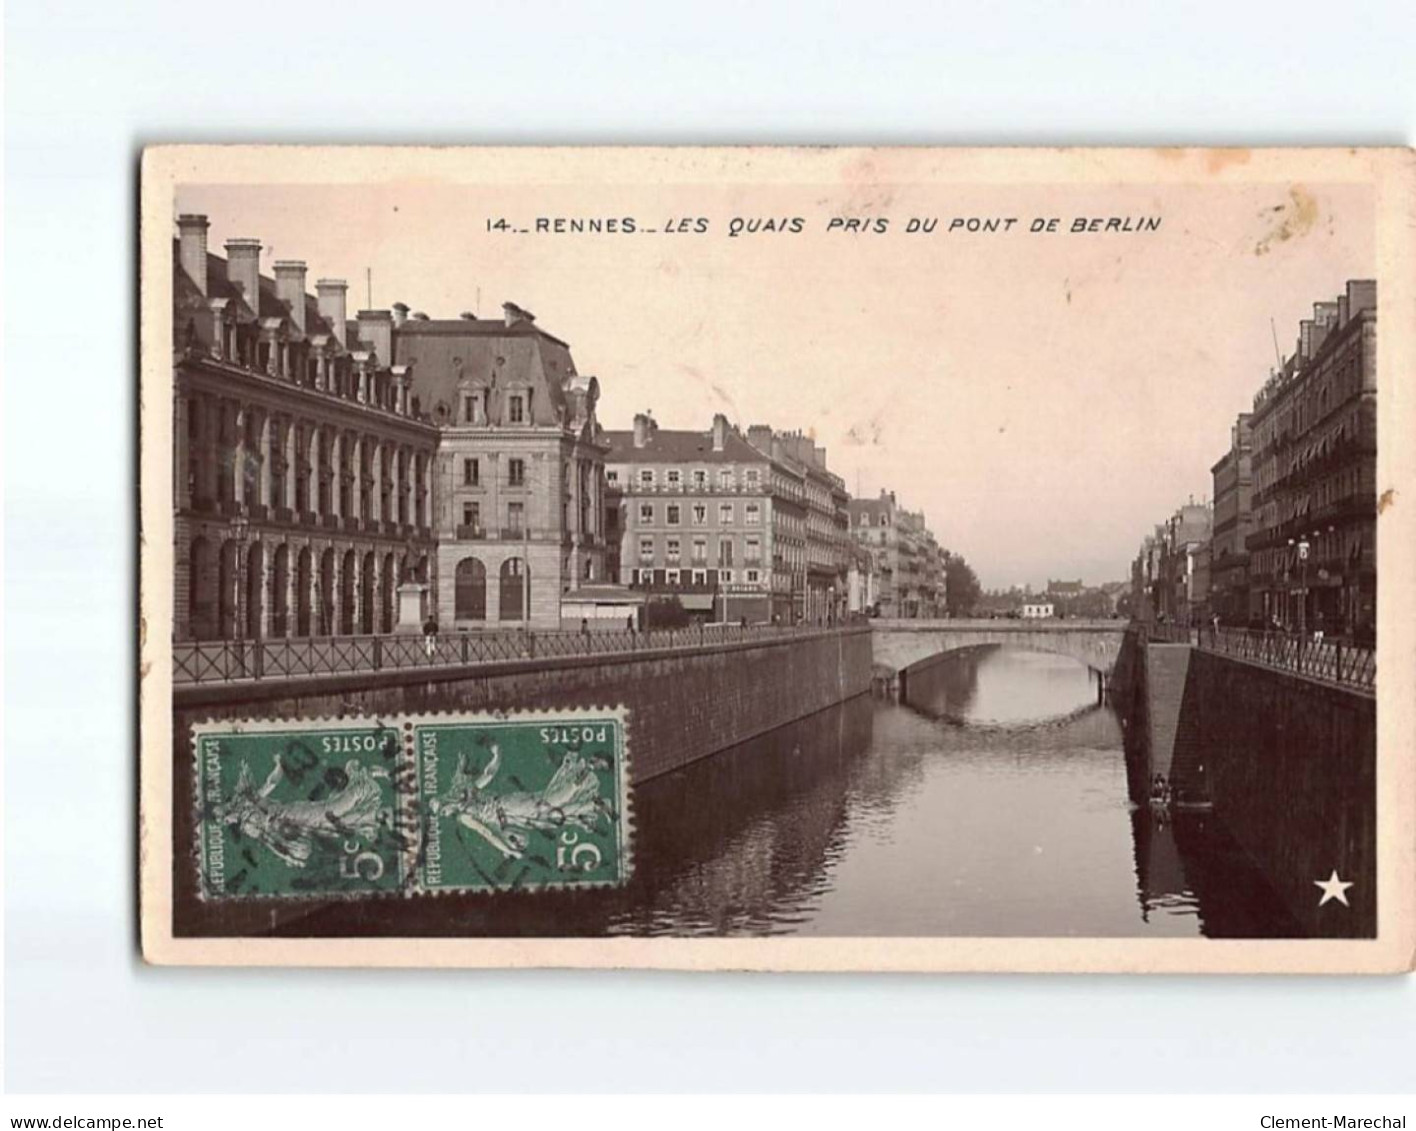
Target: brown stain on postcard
{"points": [[1292, 219], [1387, 499]]}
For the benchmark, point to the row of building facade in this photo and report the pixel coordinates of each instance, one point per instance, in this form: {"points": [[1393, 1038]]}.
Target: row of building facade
{"points": [[1290, 541], [327, 466]]}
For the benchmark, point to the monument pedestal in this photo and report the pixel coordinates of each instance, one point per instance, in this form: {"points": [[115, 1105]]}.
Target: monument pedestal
{"points": [[412, 607]]}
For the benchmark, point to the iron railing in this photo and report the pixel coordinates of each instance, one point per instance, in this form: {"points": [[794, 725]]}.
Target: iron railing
{"points": [[1330, 660], [224, 661]]}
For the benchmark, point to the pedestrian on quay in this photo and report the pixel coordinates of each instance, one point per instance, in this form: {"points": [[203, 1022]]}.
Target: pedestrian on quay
{"points": [[430, 637]]}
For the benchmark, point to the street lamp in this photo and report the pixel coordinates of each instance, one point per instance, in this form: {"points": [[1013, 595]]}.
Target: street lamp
{"points": [[240, 527], [1303, 548]]}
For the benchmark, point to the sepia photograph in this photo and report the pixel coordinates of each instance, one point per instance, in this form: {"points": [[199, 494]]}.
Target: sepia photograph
{"points": [[785, 559]]}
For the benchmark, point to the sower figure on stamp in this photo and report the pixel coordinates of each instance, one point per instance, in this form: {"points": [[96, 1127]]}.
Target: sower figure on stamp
{"points": [[290, 828], [572, 796]]}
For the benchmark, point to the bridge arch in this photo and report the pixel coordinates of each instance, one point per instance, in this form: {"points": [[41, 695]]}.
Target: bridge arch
{"points": [[900, 644]]}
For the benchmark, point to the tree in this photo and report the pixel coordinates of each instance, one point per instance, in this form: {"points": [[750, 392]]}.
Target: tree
{"points": [[961, 587]]}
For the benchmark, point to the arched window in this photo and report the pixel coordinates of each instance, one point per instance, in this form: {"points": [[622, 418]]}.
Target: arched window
{"points": [[226, 591], [513, 590], [280, 592], [386, 602], [470, 590], [255, 593], [324, 602], [366, 595], [346, 593], [199, 591], [302, 593]]}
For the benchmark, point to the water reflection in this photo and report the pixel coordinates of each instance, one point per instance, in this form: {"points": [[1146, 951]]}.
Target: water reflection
{"points": [[993, 803]]}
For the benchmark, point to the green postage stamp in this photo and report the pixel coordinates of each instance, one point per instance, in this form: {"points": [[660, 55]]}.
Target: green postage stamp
{"points": [[419, 804]]}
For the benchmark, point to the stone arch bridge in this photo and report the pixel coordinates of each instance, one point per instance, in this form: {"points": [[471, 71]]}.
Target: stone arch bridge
{"points": [[899, 644]]}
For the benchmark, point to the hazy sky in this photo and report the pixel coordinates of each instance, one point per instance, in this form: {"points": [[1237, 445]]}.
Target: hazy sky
{"points": [[1045, 398]]}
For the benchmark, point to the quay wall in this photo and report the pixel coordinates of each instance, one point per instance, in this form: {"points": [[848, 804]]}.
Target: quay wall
{"points": [[684, 704], [1288, 764], [1291, 766]]}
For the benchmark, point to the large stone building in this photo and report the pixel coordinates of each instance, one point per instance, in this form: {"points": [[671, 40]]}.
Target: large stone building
{"points": [[1233, 519], [323, 462], [1314, 427]]}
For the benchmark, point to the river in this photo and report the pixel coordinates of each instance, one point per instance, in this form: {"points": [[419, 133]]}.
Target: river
{"points": [[993, 802]]}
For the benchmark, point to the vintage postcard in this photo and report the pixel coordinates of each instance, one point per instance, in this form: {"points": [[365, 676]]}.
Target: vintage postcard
{"points": [[830, 559]]}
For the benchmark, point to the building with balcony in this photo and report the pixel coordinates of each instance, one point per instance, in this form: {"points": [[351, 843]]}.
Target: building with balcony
{"points": [[321, 462], [813, 502], [1312, 547], [692, 517]]}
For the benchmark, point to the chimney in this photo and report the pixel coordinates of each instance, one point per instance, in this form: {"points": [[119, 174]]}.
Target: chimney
{"points": [[1342, 312], [400, 313], [290, 289], [514, 314], [331, 293], [1361, 295], [192, 234], [243, 270], [376, 328], [467, 316], [642, 424], [720, 431], [419, 316]]}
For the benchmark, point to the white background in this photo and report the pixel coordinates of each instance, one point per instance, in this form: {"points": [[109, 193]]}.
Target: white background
{"points": [[87, 85]]}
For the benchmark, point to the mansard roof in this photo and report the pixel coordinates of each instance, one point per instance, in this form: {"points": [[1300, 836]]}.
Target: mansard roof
{"points": [[448, 354]]}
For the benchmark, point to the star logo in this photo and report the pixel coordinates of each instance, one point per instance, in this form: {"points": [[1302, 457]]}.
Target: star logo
{"points": [[1334, 888]]}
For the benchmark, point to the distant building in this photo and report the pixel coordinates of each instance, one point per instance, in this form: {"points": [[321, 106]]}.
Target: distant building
{"points": [[873, 527], [910, 565], [1314, 434], [1037, 610], [862, 593], [1233, 520]]}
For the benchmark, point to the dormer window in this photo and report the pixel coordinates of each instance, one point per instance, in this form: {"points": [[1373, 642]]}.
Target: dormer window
{"points": [[469, 408], [646, 477], [674, 477], [516, 409], [700, 479]]}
